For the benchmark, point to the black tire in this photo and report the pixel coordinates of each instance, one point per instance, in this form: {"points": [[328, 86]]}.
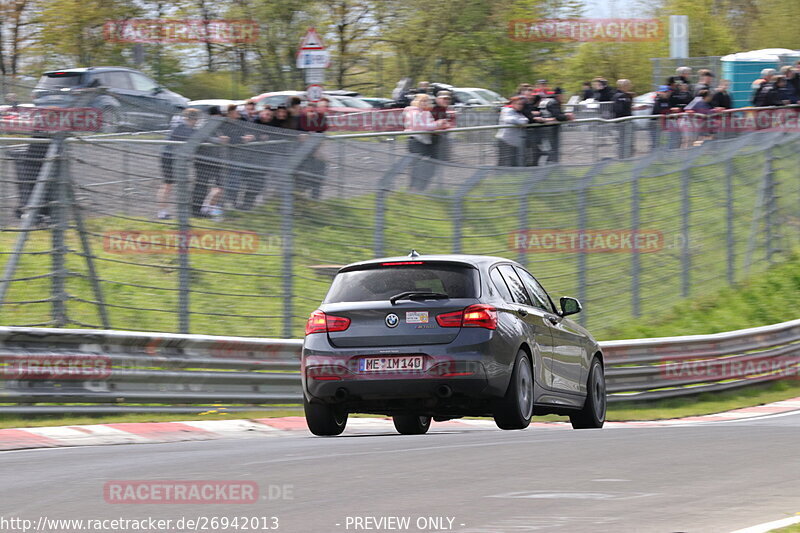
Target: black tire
{"points": [[515, 409], [411, 424], [323, 419], [593, 414]]}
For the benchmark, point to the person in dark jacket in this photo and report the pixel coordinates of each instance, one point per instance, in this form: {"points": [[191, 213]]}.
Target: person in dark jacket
{"points": [[680, 96], [533, 135], [281, 118], [721, 99], [661, 107], [209, 169], [553, 114], [601, 92], [586, 91], [764, 92], [183, 129], [623, 107], [786, 94]]}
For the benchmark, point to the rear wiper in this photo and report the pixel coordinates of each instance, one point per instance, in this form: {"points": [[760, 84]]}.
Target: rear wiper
{"points": [[417, 295]]}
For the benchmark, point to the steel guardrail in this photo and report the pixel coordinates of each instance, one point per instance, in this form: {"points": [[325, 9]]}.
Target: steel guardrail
{"points": [[147, 372]]}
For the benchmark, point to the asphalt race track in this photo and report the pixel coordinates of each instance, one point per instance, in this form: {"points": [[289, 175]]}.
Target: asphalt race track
{"points": [[717, 476]]}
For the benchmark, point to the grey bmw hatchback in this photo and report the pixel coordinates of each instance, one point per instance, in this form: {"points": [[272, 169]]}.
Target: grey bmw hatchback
{"points": [[438, 337]]}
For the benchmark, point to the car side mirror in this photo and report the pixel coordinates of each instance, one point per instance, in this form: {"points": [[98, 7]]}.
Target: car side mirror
{"points": [[158, 90], [474, 101], [570, 306]]}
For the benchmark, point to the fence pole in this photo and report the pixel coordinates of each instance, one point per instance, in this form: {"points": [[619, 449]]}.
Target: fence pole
{"points": [[286, 183], [686, 260], [458, 207], [385, 184], [770, 201], [181, 157], [635, 259], [85, 243], [32, 211], [729, 221], [59, 249]]}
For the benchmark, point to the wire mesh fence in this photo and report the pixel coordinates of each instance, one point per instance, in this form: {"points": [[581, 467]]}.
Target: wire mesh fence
{"points": [[238, 230]]}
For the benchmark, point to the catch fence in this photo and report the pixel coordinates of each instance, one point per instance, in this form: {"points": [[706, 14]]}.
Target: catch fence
{"points": [[82, 245]]}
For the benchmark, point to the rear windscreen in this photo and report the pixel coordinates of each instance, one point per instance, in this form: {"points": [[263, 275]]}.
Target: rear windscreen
{"points": [[60, 80], [384, 282]]}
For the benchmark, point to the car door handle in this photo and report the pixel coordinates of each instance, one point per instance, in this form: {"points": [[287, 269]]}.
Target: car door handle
{"points": [[553, 319], [522, 312]]}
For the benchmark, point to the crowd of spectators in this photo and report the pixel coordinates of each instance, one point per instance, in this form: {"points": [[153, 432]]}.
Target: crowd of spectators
{"points": [[231, 168]]}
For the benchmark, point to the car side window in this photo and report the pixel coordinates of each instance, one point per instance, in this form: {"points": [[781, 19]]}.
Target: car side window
{"points": [[143, 83], [500, 285], [541, 300], [115, 80], [515, 285]]}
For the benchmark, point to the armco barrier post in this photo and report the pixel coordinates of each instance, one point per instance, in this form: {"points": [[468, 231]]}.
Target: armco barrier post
{"points": [[59, 248]]}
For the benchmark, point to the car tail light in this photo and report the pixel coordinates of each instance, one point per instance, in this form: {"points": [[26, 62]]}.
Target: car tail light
{"points": [[474, 316], [319, 322], [480, 316], [396, 263], [450, 320]]}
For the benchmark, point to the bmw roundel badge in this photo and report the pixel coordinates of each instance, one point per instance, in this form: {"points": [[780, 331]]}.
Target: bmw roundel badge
{"points": [[392, 320]]}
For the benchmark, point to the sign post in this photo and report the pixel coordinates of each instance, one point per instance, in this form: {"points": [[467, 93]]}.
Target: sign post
{"points": [[314, 58], [678, 36]]}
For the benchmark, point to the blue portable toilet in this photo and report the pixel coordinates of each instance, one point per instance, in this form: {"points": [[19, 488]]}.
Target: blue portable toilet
{"points": [[745, 67]]}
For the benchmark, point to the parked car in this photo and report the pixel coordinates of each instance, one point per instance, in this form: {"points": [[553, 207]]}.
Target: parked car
{"points": [[446, 336], [222, 103], [477, 96], [378, 103], [128, 98], [338, 104]]}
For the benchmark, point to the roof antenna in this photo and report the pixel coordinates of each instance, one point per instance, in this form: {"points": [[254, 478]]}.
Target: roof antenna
{"points": [[414, 254]]}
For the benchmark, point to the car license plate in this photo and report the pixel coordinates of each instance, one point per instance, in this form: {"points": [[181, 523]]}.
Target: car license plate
{"points": [[390, 364]]}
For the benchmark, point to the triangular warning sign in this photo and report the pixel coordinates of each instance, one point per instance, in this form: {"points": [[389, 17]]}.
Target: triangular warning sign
{"points": [[312, 41]]}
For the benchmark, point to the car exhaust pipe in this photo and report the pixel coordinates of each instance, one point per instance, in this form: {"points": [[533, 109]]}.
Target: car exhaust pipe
{"points": [[341, 394], [444, 391]]}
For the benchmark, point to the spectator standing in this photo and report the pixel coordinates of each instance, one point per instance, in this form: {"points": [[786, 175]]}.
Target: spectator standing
{"points": [[586, 91], [553, 114], [705, 81], [237, 134], [684, 74], [181, 131], [764, 92], [447, 119], [697, 129], [417, 117], [281, 118], [721, 98], [662, 108], [209, 175], [295, 111], [680, 96], [786, 94], [314, 169], [623, 107], [249, 112], [533, 135], [511, 140], [602, 94]]}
